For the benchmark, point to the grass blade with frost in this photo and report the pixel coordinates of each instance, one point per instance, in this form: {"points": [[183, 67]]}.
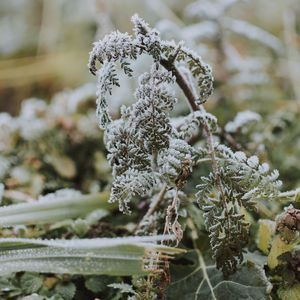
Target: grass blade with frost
{"points": [[53, 210], [119, 256]]}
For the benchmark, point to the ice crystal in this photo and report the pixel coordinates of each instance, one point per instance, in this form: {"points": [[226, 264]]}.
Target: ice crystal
{"points": [[124, 151], [170, 160], [194, 121]]}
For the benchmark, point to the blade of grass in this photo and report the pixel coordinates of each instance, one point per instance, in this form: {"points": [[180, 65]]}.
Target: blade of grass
{"points": [[120, 256], [53, 210]]}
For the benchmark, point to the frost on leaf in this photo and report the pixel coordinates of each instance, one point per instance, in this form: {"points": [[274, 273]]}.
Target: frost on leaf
{"points": [[61, 194], [170, 160], [115, 46], [199, 280], [124, 150], [243, 181], [146, 38], [107, 78], [151, 112], [130, 184], [143, 145]]}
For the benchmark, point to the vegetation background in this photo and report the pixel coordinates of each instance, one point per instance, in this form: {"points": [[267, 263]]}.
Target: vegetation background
{"points": [[50, 141]]}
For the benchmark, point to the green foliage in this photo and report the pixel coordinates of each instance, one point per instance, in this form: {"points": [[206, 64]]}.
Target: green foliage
{"points": [[194, 279], [48, 146], [97, 284], [289, 293], [64, 204], [208, 185], [123, 256], [66, 290], [235, 183], [123, 287], [31, 282]]}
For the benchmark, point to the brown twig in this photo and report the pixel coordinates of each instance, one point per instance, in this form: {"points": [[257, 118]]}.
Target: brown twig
{"points": [[172, 219], [154, 205], [182, 83], [191, 98]]}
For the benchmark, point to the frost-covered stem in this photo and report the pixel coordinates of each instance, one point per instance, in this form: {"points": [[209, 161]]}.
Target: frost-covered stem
{"points": [[192, 98], [154, 160], [172, 211], [289, 194], [181, 81], [154, 204]]}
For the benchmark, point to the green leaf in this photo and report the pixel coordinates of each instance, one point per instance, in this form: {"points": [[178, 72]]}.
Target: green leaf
{"points": [[103, 256], [6, 285], [31, 282], [291, 293], [196, 280], [256, 258], [80, 226], [279, 247], [55, 297], [297, 195], [97, 284], [123, 287], [53, 210], [66, 290], [265, 233], [34, 297]]}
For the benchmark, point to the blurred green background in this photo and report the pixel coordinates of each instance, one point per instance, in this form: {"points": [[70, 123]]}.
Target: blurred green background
{"points": [[44, 44]]}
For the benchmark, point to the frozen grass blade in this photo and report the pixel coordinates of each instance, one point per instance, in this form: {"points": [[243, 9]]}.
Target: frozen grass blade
{"points": [[53, 210], [119, 257]]}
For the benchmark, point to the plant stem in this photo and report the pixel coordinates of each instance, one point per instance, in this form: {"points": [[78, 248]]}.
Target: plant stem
{"points": [[154, 205], [191, 99], [229, 138], [289, 194], [202, 263], [182, 83]]}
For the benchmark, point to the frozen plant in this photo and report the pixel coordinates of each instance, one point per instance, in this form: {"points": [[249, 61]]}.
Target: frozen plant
{"points": [[152, 157]]}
